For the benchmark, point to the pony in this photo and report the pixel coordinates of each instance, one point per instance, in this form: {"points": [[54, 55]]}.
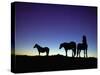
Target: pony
{"points": [[42, 49], [69, 46]]}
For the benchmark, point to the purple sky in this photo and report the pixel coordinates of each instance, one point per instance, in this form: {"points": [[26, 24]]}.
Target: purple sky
{"points": [[50, 24]]}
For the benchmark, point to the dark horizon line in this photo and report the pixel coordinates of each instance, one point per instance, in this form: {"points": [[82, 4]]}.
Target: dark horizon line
{"points": [[49, 56]]}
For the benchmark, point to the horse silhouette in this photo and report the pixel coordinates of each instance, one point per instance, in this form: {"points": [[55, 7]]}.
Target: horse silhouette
{"points": [[82, 46], [42, 49], [69, 46]]}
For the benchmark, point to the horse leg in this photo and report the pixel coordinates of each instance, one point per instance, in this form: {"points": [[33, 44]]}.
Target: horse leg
{"points": [[79, 52], [66, 53], [86, 53], [39, 53], [73, 53], [74, 50], [47, 53]]}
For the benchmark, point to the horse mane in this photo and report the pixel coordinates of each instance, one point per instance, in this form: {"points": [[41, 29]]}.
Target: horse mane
{"points": [[38, 45]]}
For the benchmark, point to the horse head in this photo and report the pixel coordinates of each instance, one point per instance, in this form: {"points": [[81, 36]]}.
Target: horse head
{"points": [[35, 45], [61, 45]]}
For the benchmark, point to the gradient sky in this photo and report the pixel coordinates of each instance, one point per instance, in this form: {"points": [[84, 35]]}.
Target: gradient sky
{"points": [[50, 25]]}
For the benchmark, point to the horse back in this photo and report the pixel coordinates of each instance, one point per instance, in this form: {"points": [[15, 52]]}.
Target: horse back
{"points": [[72, 45], [82, 46], [46, 48]]}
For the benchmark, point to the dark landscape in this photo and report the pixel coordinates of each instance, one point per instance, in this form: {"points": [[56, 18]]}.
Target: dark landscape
{"points": [[23, 64]]}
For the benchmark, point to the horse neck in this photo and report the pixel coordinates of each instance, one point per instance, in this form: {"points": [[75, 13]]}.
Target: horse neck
{"points": [[39, 47], [64, 46], [84, 41]]}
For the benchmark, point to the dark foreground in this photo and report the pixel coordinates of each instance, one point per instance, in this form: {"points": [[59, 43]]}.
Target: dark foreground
{"points": [[24, 64]]}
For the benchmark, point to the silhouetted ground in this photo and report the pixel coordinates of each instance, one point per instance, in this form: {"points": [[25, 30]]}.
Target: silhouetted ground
{"points": [[25, 64]]}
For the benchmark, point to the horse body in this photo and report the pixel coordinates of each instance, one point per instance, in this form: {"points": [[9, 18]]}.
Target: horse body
{"points": [[42, 49], [82, 46], [69, 46]]}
